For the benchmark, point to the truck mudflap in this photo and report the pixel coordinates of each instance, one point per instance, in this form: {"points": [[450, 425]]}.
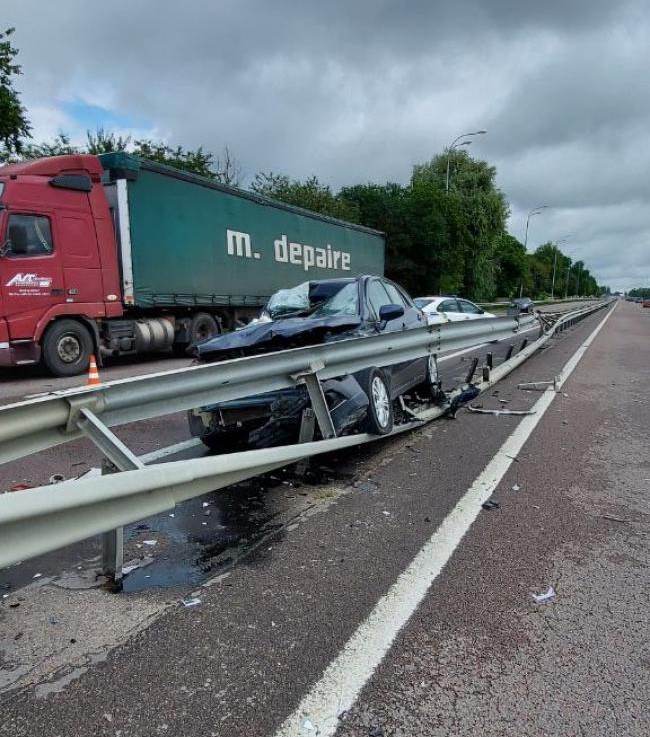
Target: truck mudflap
{"points": [[18, 353]]}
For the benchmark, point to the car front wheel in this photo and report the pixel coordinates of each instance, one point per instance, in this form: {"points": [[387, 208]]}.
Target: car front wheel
{"points": [[379, 420]]}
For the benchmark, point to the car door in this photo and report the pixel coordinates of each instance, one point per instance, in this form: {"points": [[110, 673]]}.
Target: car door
{"points": [[412, 373], [376, 297], [469, 310], [451, 310]]}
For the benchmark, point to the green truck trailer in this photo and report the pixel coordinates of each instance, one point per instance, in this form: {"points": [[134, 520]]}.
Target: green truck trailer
{"points": [[114, 255]]}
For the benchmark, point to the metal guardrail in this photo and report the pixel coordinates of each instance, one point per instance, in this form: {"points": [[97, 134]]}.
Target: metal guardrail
{"points": [[39, 520], [38, 424]]}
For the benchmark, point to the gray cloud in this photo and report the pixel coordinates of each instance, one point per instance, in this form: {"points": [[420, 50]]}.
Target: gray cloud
{"points": [[361, 91]]}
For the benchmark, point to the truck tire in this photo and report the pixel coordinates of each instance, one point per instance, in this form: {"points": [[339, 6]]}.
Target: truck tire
{"points": [[202, 326], [379, 420], [66, 348]]}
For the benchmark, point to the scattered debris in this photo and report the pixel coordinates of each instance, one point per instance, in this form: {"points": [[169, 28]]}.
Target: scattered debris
{"points": [[541, 386], [90, 473], [129, 569], [516, 487], [386, 513], [469, 393], [616, 519], [490, 504], [20, 487], [309, 726], [545, 596], [504, 401], [53, 620], [193, 601], [56, 478], [150, 542], [37, 575], [501, 411], [172, 514], [206, 504]]}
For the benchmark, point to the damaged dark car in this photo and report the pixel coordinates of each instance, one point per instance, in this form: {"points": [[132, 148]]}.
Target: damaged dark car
{"points": [[312, 313]]}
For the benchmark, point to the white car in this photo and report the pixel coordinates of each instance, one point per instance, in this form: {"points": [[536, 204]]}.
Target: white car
{"points": [[450, 309]]}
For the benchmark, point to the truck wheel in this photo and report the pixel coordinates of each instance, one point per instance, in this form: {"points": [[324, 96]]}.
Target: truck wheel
{"points": [[202, 326], [66, 347], [379, 420]]}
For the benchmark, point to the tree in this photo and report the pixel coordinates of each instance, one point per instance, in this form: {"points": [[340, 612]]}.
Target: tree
{"points": [[13, 118], [476, 214], [512, 272], [310, 194]]}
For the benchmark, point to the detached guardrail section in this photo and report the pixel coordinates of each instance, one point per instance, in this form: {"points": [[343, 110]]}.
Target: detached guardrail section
{"points": [[39, 520]]}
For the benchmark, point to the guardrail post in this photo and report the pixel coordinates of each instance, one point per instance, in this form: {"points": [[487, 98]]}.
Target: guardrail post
{"points": [[117, 457], [472, 371], [112, 544], [486, 373], [318, 401], [511, 348], [524, 343], [489, 360], [306, 435]]}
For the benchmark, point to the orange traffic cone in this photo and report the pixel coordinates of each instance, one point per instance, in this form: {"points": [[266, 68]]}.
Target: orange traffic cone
{"points": [[93, 374]]}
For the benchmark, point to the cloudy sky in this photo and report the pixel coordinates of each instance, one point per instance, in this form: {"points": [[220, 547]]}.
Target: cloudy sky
{"points": [[360, 90]]}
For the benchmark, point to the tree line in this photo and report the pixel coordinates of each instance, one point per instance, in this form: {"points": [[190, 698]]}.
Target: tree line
{"points": [[442, 237]]}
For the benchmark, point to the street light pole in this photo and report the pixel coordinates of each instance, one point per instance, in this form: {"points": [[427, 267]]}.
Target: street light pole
{"points": [[454, 145], [563, 239], [535, 211]]}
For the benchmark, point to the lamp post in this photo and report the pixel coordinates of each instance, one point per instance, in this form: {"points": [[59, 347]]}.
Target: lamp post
{"points": [[563, 239], [454, 144], [531, 213]]}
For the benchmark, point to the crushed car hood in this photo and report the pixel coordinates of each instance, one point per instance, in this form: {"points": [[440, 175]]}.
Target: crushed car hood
{"points": [[277, 335]]}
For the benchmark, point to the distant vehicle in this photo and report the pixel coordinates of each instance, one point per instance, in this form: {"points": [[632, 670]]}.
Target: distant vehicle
{"points": [[646, 303], [309, 314], [525, 304], [114, 255], [449, 309]]}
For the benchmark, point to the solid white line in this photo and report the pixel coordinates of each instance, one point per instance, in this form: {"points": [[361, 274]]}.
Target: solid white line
{"points": [[342, 681], [171, 450]]}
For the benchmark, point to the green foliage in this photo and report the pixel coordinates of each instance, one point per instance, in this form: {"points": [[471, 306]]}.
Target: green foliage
{"points": [[310, 194], [13, 118], [643, 292], [512, 270]]}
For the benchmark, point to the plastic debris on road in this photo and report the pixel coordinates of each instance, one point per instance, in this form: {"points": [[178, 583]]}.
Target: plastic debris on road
{"points": [[150, 542], [56, 478], [128, 569], [309, 726], [91, 473], [516, 487], [490, 504], [545, 596], [193, 601], [497, 412]]}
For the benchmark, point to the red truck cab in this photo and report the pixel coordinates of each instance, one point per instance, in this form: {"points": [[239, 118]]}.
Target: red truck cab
{"points": [[58, 262]]}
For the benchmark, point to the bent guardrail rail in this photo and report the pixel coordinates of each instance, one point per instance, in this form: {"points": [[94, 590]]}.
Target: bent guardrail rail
{"points": [[35, 521], [38, 424]]}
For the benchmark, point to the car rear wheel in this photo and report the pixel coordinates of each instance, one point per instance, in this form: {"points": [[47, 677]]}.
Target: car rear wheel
{"points": [[379, 420]]}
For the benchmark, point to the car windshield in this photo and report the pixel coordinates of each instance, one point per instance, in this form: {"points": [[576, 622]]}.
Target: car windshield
{"points": [[289, 301], [344, 302], [296, 302], [421, 302]]}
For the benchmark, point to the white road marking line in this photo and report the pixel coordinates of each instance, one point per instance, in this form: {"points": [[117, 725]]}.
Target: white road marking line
{"points": [[343, 679], [156, 455]]}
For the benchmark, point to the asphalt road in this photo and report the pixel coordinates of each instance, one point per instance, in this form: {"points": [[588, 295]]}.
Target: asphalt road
{"points": [[478, 656]]}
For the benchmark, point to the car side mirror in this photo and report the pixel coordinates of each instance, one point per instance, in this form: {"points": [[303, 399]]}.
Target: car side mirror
{"points": [[390, 312]]}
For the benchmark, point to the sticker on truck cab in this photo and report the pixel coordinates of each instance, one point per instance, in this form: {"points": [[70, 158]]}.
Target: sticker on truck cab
{"points": [[239, 244], [28, 284]]}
